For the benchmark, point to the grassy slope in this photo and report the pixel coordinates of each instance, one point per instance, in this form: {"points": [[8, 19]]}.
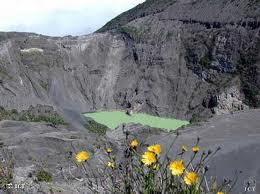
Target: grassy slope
{"points": [[114, 118]]}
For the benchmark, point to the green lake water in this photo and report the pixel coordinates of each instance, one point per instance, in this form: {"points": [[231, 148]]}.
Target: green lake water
{"points": [[114, 118]]}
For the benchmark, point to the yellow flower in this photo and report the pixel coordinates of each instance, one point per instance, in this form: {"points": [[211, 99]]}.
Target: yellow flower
{"points": [[176, 167], [220, 192], [190, 178], [111, 164], [156, 149], [109, 150], [148, 158], [196, 149], [134, 143], [82, 156], [184, 148]]}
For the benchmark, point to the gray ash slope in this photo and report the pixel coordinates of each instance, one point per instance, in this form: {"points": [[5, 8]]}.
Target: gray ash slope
{"points": [[37, 146], [186, 59]]}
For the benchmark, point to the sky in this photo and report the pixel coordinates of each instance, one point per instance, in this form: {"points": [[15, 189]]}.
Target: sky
{"points": [[60, 17]]}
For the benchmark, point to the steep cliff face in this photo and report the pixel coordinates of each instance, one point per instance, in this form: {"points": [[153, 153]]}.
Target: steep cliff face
{"points": [[207, 48], [170, 58], [76, 73]]}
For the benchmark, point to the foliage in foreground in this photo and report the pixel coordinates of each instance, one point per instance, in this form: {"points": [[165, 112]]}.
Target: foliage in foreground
{"points": [[6, 171], [149, 171], [44, 176]]}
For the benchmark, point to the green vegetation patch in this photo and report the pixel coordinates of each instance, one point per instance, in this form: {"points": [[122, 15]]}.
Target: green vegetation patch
{"points": [[205, 61], [32, 115], [114, 118], [252, 94], [96, 127], [134, 32], [53, 119], [43, 176]]}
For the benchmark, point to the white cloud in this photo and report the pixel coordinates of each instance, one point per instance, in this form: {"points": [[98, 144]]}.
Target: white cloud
{"points": [[60, 17]]}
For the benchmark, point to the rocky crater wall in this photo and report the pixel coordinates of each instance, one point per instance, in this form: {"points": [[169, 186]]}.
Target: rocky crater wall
{"points": [[167, 61]]}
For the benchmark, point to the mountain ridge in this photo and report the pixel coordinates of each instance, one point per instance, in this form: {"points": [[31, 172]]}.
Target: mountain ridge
{"points": [[241, 12]]}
